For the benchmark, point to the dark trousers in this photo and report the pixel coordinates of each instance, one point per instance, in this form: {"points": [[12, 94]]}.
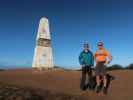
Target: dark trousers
{"points": [[86, 82]]}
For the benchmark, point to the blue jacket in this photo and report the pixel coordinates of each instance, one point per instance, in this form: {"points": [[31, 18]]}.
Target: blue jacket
{"points": [[86, 58]]}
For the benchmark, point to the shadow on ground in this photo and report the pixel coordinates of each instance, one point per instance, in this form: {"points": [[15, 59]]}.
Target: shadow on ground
{"points": [[10, 92]]}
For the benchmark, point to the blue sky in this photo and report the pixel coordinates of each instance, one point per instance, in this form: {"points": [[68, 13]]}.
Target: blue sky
{"points": [[72, 22]]}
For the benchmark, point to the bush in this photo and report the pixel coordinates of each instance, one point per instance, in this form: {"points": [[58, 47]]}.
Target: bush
{"points": [[129, 66], [115, 67], [1, 69]]}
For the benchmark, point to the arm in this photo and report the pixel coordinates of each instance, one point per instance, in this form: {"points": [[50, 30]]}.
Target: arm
{"points": [[92, 59], [80, 59], [109, 58]]}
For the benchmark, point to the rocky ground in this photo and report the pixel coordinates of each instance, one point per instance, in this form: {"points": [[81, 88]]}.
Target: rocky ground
{"points": [[11, 92]]}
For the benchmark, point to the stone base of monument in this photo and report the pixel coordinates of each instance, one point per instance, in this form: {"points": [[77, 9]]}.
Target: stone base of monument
{"points": [[39, 69], [42, 69]]}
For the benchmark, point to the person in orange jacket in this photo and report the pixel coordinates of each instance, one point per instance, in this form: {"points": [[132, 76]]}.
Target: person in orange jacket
{"points": [[102, 58]]}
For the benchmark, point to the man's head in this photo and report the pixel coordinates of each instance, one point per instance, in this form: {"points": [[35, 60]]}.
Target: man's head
{"points": [[100, 45], [86, 47]]}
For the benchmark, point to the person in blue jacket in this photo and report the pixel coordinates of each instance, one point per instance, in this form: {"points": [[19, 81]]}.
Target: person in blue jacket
{"points": [[86, 60]]}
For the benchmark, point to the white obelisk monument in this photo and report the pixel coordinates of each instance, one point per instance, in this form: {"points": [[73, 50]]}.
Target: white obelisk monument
{"points": [[43, 57]]}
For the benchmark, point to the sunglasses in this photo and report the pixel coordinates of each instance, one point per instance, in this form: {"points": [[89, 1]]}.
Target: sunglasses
{"points": [[100, 45]]}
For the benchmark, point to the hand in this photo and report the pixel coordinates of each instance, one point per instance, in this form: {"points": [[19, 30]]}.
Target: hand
{"points": [[83, 65], [107, 62]]}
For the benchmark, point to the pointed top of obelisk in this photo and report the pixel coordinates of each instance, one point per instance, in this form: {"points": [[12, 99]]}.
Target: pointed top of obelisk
{"points": [[43, 30], [43, 19]]}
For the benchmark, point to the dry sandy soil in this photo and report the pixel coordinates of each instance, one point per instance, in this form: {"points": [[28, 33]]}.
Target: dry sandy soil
{"points": [[59, 81]]}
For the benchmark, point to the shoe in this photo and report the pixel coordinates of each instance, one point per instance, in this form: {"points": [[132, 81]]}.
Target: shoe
{"points": [[98, 88], [104, 90], [89, 86]]}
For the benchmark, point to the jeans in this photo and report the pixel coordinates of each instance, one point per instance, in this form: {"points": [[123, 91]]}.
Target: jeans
{"points": [[86, 82]]}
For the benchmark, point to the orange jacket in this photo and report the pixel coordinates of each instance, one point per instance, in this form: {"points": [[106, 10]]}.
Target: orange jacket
{"points": [[101, 55]]}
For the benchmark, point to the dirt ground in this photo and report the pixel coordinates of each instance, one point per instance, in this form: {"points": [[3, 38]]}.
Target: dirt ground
{"points": [[60, 81]]}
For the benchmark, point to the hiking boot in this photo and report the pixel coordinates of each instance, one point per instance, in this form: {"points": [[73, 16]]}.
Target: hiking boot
{"points": [[98, 88], [104, 90], [89, 86]]}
